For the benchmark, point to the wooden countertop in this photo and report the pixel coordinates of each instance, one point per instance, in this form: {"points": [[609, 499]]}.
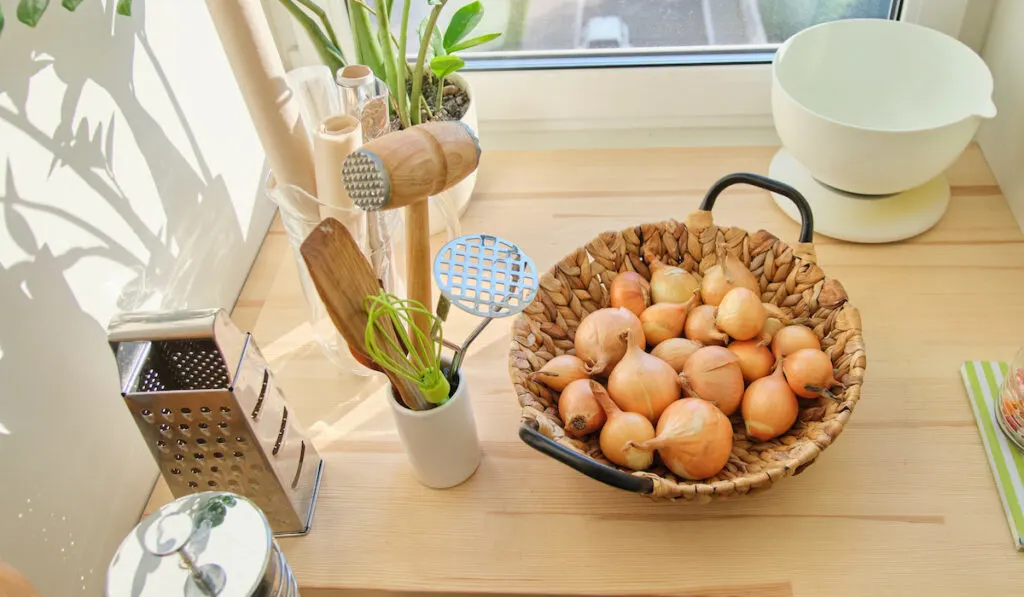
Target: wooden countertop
{"points": [[903, 503]]}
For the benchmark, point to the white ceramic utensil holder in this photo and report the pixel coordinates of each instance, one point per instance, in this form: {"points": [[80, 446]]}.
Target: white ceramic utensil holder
{"points": [[441, 443]]}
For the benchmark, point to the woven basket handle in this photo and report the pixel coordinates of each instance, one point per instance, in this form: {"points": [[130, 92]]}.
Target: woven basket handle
{"points": [[768, 184], [530, 433]]}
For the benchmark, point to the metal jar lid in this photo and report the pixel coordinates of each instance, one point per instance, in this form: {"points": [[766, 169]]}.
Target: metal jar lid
{"points": [[204, 544]]}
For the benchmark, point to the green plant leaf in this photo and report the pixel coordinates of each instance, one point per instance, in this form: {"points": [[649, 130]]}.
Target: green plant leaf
{"points": [[124, 7], [368, 51], [436, 47], [442, 66], [1, 19], [71, 4], [463, 22], [476, 41], [30, 11]]}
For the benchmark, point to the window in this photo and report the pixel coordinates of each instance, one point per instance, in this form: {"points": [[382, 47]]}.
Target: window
{"points": [[574, 73], [595, 33]]}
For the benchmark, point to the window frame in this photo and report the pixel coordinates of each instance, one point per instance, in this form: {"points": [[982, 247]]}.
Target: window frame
{"points": [[693, 103]]}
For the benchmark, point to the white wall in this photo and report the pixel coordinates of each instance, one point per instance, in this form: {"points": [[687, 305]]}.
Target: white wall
{"points": [[1002, 138], [124, 145]]}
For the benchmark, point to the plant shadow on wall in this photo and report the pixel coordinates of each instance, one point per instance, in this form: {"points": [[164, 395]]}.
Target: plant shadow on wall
{"points": [[108, 63], [174, 226]]}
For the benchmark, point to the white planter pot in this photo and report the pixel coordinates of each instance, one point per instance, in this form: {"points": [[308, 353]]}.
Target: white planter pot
{"points": [[441, 443], [461, 193]]}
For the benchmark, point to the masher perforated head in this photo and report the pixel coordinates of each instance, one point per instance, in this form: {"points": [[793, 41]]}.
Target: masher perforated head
{"points": [[485, 275], [366, 180]]}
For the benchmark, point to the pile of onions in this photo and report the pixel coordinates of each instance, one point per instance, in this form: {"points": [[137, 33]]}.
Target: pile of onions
{"points": [[622, 433], [642, 383], [560, 372], [639, 411], [675, 351], [600, 341], [729, 273], [671, 284], [700, 326], [713, 373], [579, 409], [740, 314], [663, 321], [769, 407], [755, 360], [631, 291], [809, 372], [792, 338], [694, 439]]}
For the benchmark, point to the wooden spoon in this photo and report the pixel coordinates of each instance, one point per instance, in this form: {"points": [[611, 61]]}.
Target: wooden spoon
{"points": [[343, 278]]}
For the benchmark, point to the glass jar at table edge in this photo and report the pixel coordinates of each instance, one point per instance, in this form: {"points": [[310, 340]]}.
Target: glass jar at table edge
{"points": [[205, 544]]}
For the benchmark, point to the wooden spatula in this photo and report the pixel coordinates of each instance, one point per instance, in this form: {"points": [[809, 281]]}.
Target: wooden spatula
{"points": [[343, 278]]}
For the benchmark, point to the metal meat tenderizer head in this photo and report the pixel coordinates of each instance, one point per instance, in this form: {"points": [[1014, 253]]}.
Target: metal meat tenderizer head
{"points": [[486, 276], [205, 400], [366, 180]]}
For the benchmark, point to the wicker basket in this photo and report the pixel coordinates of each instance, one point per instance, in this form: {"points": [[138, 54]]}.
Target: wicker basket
{"points": [[789, 277]]}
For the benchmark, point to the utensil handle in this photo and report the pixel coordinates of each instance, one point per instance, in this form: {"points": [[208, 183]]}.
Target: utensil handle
{"points": [[530, 433], [768, 184], [417, 223]]}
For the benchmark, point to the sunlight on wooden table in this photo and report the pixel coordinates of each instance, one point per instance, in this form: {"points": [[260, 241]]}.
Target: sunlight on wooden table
{"points": [[902, 503]]}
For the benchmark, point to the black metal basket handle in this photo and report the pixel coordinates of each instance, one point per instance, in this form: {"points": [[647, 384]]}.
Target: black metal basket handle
{"points": [[530, 433], [768, 184]]}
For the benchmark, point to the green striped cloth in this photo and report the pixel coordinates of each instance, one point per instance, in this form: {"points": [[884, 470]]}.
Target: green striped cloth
{"points": [[983, 379]]}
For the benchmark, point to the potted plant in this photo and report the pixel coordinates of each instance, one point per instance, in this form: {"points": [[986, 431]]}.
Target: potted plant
{"points": [[429, 88]]}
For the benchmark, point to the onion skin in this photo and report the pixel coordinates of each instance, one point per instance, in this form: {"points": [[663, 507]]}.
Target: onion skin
{"points": [[579, 409], [774, 321], [671, 284], [740, 314], [700, 327], [560, 372], [642, 383], [694, 439], [793, 338], [663, 321], [713, 374], [723, 277], [599, 342], [771, 327], [622, 432], [755, 360], [809, 372], [675, 351], [631, 291], [769, 407]]}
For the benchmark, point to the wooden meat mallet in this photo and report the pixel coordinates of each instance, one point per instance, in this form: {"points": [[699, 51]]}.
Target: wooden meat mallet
{"points": [[403, 169]]}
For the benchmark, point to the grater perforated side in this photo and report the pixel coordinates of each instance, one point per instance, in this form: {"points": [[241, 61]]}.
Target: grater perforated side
{"points": [[213, 418]]}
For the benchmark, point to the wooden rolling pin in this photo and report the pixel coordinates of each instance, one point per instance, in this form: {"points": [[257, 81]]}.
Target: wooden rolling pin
{"points": [[249, 46]]}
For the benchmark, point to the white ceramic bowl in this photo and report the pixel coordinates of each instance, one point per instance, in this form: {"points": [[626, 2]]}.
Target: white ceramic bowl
{"points": [[873, 106]]}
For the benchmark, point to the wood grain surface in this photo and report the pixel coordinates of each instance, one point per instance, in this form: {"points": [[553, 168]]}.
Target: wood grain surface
{"points": [[903, 502]]}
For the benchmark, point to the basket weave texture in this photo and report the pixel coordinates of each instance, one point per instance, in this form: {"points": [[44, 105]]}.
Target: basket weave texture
{"points": [[789, 277]]}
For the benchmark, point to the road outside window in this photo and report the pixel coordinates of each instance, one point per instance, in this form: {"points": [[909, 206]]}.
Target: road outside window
{"points": [[581, 26]]}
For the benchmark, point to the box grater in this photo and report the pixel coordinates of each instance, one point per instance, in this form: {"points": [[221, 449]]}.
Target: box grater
{"points": [[206, 403]]}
